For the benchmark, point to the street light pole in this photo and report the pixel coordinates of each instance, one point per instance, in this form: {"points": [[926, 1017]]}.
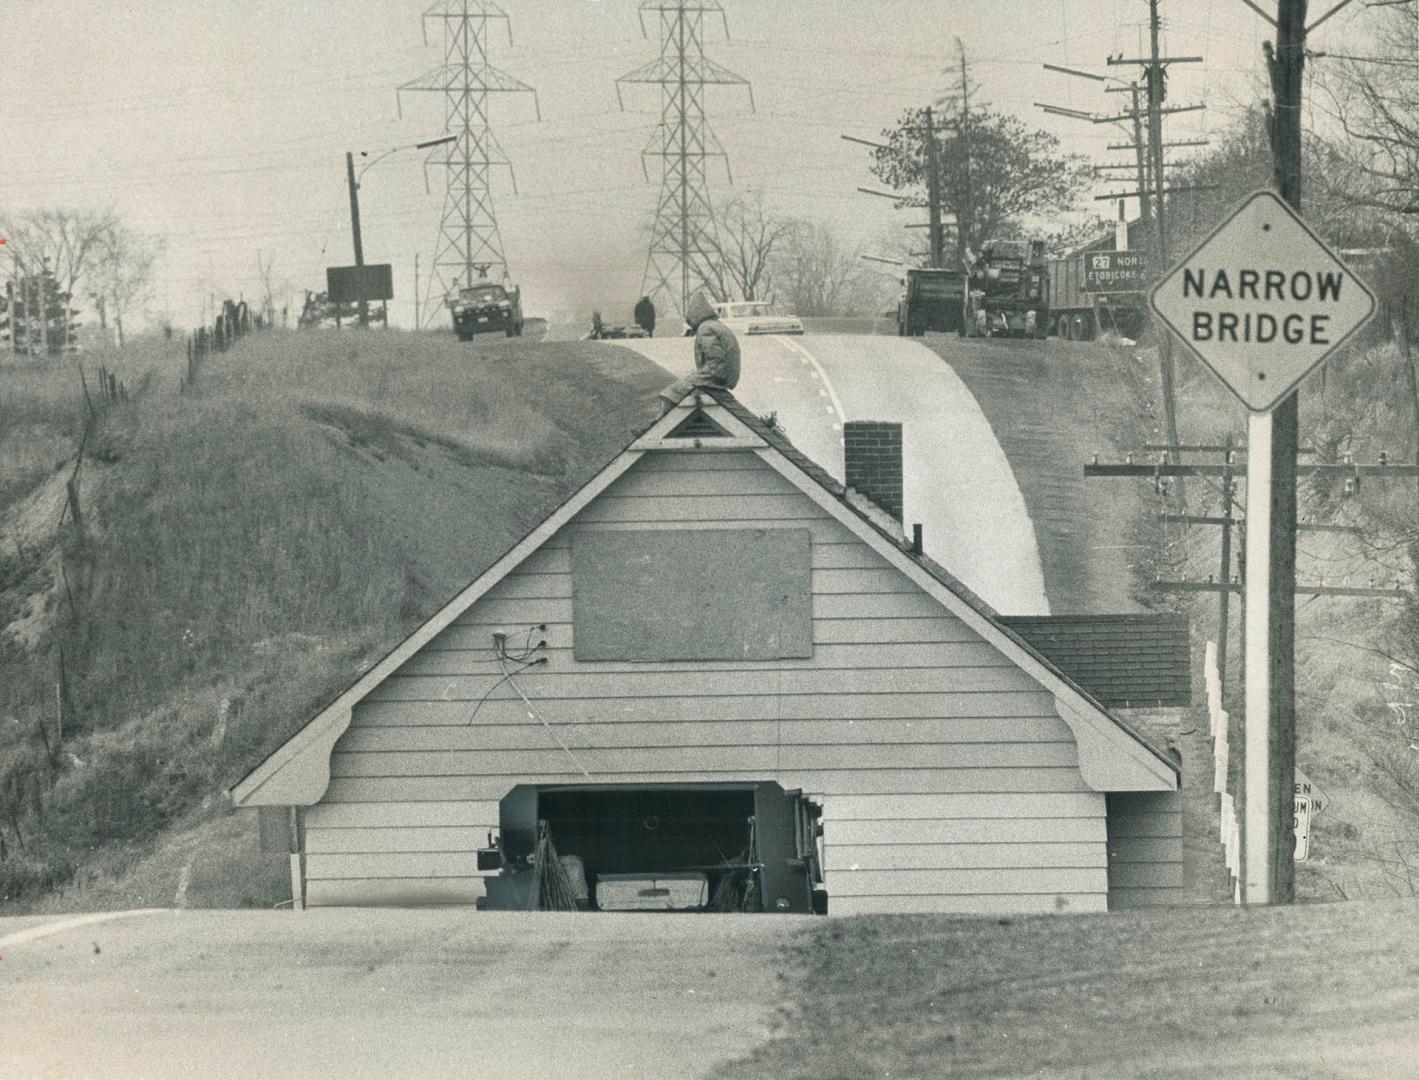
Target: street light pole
{"points": [[354, 182], [355, 228]]}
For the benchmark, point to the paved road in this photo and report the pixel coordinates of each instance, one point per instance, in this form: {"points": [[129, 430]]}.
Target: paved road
{"points": [[958, 483], [359, 993]]}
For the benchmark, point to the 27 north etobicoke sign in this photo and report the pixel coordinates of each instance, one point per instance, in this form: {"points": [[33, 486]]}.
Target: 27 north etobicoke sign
{"points": [[1262, 301]]}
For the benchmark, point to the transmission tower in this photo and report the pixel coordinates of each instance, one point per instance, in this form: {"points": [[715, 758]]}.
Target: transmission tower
{"points": [[469, 246], [683, 241]]}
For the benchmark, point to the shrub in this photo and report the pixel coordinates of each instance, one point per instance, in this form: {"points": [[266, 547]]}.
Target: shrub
{"points": [[25, 876]]}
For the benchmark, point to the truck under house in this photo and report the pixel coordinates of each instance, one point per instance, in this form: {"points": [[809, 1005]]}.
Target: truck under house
{"points": [[714, 622]]}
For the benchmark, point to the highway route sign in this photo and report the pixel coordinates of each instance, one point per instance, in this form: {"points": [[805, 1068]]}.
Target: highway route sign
{"points": [[1262, 301], [1303, 828], [1115, 271]]}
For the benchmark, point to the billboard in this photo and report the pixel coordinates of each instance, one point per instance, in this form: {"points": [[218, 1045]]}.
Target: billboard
{"points": [[1115, 271], [351, 284]]}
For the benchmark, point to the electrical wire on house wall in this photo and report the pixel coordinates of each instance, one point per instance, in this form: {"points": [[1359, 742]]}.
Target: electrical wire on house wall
{"points": [[533, 714], [499, 655]]}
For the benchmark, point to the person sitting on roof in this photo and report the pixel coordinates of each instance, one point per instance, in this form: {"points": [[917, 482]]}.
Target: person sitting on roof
{"points": [[716, 352]]}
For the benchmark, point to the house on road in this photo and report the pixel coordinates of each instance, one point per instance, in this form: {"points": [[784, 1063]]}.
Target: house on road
{"points": [[714, 609]]}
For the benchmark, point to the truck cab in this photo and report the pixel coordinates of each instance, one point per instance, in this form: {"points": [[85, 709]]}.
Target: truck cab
{"points": [[1008, 290], [484, 308]]}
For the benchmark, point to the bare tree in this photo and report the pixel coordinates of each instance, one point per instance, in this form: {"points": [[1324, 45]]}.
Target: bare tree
{"points": [[749, 235], [122, 271], [1374, 93], [63, 240], [817, 275]]}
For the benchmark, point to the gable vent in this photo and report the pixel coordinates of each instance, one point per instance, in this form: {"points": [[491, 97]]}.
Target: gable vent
{"points": [[698, 426]]}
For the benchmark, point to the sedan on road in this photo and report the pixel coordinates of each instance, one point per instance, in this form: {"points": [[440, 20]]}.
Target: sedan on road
{"points": [[756, 317]]}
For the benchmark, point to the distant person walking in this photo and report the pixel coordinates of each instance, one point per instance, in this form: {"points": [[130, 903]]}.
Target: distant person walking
{"points": [[645, 315], [716, 353]]}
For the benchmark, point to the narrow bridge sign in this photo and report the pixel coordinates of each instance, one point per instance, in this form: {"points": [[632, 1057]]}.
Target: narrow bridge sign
{"points": [[1262, 301]]}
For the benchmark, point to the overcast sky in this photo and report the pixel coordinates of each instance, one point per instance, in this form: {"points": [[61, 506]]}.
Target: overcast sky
{"points": [[224, 126]]}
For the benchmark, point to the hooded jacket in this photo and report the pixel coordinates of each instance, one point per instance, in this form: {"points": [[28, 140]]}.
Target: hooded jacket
{"points": [[716, 348]]}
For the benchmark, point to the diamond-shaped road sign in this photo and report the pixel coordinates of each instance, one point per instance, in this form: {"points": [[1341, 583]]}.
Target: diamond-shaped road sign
{"points": [[1262, 301]]}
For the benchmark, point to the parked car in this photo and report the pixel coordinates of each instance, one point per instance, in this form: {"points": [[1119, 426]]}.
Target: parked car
{"points": [[755, 317]]}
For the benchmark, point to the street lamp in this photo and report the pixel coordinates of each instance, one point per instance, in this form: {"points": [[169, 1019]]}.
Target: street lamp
{"points": [[354, 181]]}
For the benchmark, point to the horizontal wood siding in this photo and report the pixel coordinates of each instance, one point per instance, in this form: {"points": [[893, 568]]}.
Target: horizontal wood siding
{"points": [[949, 783], [1145, 849]]}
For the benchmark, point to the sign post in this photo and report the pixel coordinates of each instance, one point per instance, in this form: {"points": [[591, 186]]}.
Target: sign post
{"points": [[1262, 302], [1256, 696]]}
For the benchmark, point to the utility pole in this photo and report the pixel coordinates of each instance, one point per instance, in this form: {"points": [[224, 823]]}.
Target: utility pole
{"points": [[933, 194], [1145, 210], [355, 228], [416, 290], [1156, 76], [1278, 885], [1268, 851], [966, 212]]}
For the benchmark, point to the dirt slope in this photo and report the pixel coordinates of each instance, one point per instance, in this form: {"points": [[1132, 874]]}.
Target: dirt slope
{"points": [[246, 548]]}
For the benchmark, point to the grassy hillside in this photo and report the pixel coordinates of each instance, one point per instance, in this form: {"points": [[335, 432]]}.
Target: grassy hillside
{"points": [[241, 552], [1315, 991]]}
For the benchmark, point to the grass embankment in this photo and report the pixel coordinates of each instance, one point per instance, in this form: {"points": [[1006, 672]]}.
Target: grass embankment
{"points": [[1317, 991], [246, 549], [1053, 405], [1350, 742]]}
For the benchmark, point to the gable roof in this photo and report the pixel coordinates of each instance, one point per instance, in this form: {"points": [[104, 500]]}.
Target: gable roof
{"points": [[1141, 660], [1112, 756]]}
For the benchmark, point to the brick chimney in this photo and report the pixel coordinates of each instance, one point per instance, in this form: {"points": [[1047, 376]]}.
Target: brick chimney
{"points": [[872, 454]]}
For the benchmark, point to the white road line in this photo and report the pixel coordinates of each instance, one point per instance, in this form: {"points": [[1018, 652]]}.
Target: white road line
{"points": [[45, 929], [805, 355]]}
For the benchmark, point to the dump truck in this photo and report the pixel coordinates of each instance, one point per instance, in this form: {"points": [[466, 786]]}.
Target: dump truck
{"points": [[485, 308], [1007, 290], [1087, 298], [713, 847], [932, 299]]}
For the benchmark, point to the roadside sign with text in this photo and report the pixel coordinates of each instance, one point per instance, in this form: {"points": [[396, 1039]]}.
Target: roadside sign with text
{"points": [[1302, 823], [351, 284], [1305, 788], [1115, 271], [1262, 301]]}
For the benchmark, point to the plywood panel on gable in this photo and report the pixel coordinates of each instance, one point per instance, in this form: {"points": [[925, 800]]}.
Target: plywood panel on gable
{"points": [[734, 594]]}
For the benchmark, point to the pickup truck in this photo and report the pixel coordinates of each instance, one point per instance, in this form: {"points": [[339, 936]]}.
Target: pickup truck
{"points": [[484, 308]]}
